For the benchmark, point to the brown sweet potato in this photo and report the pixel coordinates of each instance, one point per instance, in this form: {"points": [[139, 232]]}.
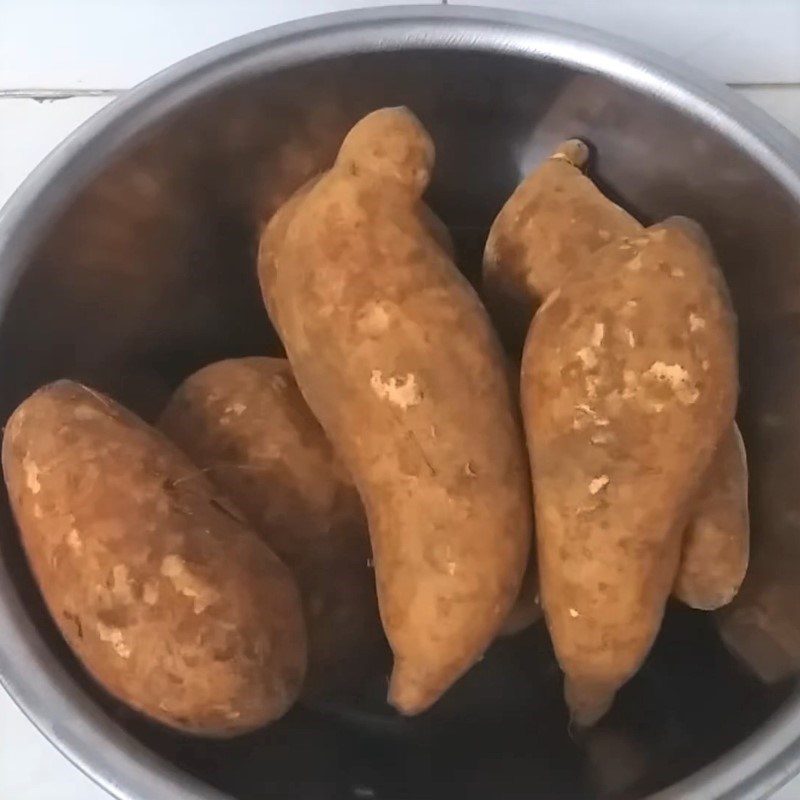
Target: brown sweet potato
{"points": [[169, 600], [555, 220], [527, 608], [544, 236], [716, 541], [625, 397], [396, 357], [245, 424]]}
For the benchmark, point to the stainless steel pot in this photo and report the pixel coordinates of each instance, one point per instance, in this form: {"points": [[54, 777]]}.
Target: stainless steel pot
{"points": [[127, 261]]}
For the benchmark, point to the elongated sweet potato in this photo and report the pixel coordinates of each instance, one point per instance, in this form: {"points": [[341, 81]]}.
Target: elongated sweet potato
{"points": [[245, 424], [396, 357], [170, 601], [545, 236], [629, 380]]}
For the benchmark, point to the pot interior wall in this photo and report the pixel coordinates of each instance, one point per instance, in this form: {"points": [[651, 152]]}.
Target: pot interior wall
{"points": [[150, 274]]}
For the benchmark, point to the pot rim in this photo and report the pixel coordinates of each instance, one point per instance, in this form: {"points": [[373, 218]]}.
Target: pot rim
{"points": [[38, 684]]}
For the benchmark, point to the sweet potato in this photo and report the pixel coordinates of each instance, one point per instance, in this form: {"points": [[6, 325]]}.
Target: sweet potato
{"points": [[629, 380], [168, 599], [396, 357], [544, 236], [716, 541], [246, 425], [526, 609], [553, 222]]}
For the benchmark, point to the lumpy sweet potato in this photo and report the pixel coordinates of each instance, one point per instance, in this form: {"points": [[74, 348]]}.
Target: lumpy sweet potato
{"points": [[628, 382], [545, 236], [397, 359]]}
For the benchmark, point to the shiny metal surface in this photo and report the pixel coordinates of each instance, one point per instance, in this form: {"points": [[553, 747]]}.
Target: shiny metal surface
{"points": [[126, 260]]}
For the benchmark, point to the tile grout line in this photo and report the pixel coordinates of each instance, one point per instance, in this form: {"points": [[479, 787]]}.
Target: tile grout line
{"points": [[67, 93], [44, 95], [55, 93]]}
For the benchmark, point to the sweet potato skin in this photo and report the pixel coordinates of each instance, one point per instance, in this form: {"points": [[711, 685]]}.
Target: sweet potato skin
{"points": [[245, 424], [169, 600], [626, 390], [396, 357], [546, 235], [554, 221], [716, 543], [527, 609]]}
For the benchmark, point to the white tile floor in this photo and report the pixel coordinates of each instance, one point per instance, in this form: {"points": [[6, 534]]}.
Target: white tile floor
{"points": [[63, 60]]}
